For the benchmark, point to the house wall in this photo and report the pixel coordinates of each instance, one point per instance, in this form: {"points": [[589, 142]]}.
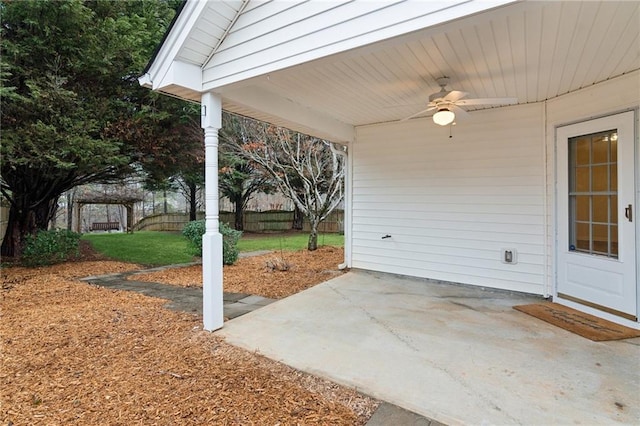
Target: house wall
{"points": [[451, 204]]}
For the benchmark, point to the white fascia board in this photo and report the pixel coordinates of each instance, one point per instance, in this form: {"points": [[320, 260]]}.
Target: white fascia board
{"points": [[145, 81], [181, 74], [173, 43], [450, 11], [271, 104]]}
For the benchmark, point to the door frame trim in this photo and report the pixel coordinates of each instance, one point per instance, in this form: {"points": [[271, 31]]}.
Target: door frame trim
{"points": [[571, 301]]}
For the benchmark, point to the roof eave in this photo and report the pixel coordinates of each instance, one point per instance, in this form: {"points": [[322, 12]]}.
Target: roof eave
{"points": [[164, 37]]}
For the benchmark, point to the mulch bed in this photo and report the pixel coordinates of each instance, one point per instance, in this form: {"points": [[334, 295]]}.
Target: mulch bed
{"points": [[76, 353], [262, 275]]}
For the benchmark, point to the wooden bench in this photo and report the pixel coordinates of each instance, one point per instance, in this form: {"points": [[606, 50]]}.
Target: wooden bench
{"points": [[105, 226]]}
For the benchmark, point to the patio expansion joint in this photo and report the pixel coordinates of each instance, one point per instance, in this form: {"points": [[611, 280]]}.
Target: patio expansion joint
{"points": [[372, 317], [479, 392]]}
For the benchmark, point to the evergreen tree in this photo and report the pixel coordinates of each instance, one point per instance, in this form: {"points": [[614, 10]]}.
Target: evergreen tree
{"points": [[69, 93]]}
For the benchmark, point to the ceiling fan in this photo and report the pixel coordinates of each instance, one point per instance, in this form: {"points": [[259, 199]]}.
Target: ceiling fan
{"points": [[448, 103]]}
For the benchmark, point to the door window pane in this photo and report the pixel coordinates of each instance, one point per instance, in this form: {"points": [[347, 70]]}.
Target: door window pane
{"points": [[600, 150], [593, 210], [582, 237], [582, 208], [599, 178], [600, 208], [614, 146], [582, 179], [582, 151], [613, 176], [600, 237]]}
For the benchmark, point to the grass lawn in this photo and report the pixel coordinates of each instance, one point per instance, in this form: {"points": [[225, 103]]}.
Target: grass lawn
{"points": [[146, 248], [288, 241], [166, 248]]}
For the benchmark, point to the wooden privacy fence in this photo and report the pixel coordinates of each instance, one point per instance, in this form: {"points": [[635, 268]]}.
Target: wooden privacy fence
{"points": [[164, 222], [279, 221], [269, 221]]}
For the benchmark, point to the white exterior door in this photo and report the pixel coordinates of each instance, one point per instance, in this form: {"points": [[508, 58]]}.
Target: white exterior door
{"points": [[596, 253]]}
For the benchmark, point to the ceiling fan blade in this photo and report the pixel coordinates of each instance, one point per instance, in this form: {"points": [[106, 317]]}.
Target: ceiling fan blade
{"points": [[454, 96], [418, 113], [459, 112], [488, 101]]}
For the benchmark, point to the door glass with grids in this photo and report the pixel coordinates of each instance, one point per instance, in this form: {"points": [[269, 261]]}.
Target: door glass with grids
{"points": [[593, 194]]}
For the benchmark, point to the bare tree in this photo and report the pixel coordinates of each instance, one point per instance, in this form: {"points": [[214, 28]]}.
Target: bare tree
{"points": [[304, 168]]}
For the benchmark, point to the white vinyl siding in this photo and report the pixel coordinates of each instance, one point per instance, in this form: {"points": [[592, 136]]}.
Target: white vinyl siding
{"points": [[276, 35], [451, 205]]}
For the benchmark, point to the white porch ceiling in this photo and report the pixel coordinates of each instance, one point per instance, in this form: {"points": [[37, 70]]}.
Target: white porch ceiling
{"points": [[529, 50]]}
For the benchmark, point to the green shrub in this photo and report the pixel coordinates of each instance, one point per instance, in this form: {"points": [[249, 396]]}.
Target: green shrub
{"points": [[49, 247], [230, 239], [194, 231]]}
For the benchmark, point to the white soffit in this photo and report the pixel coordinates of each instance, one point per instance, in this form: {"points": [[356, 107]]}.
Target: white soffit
{"points": [[532, 51], [186, 39], [276, 35], [529, 50]]}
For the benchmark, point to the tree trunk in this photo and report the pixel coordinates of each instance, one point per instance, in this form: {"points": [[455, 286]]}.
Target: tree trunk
{"points": [[12, 242], [53, 224], [298, 218], [164, 205], [239, 214], [70, 199], [193, 201], [23, 222], [313, 235]]}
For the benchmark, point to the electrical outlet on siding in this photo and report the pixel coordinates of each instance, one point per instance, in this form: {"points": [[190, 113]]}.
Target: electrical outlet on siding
{"points": [[509, 256]]}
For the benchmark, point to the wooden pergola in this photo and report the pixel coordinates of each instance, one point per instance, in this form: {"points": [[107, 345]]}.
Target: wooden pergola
{"points": [[128, 201]]}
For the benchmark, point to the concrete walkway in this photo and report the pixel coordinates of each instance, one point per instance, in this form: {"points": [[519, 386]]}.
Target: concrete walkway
{"points": [[184, 299], [456, 354], [189, 299]]}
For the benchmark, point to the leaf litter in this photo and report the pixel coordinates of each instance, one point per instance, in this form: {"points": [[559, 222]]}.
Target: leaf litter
{"points": [[273, 275], [71, 352]]}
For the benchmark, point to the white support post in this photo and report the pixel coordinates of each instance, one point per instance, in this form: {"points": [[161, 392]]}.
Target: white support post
{"points": [[212, 291]]}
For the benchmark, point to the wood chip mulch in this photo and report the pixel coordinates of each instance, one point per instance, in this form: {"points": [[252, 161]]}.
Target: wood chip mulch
{"points": [[73, 353], [262, 275]]}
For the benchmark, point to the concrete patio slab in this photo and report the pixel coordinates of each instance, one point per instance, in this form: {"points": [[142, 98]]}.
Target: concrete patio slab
{"points": [[455, 354]]}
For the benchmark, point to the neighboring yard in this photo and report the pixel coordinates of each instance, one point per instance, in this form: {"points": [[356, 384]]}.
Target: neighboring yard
{"points": [[81, 354]]}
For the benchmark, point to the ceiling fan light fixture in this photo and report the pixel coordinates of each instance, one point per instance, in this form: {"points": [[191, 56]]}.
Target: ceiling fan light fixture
{"points": [[443, 117]]}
